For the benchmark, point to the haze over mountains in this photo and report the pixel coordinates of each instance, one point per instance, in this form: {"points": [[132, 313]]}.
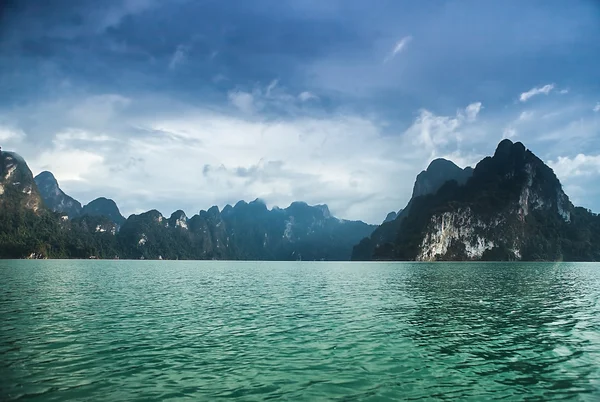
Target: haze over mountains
{"points": [[510, 207]]}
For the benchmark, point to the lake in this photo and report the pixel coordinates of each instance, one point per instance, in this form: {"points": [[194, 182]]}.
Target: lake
{"points": [[158, 330]]}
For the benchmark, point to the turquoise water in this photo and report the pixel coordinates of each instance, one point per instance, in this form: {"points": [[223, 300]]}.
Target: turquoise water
{"points": [[122, 330]]}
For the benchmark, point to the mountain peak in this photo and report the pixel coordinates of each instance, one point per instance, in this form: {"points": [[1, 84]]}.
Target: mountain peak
{"points": [[441, 163], [54, 197], [179, 214], [258, 201], [46, 175], [103, 206], [178, 219], [437, 173], [506, 148], [391, 216], [325, 209], [513, 207]]}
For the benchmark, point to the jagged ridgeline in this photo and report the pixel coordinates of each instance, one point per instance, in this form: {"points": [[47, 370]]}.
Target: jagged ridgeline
{"points": [[37, 219], [510, 207]]}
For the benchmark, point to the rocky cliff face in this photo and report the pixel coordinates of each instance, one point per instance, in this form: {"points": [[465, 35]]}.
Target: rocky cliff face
{"points": [[54, 198], [427, 182], [512, 208], [17, 187]]}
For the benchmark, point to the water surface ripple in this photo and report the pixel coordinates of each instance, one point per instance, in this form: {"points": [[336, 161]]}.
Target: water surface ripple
{"points": [[123, 330]]}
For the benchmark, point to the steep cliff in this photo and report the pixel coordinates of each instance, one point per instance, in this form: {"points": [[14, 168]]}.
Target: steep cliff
{"points": [[512, 208], [427, 182]]}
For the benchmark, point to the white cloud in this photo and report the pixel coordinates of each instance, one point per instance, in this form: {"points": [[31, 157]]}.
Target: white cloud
{"points": [[199, 157], [564, 91], [80, 135], [526, 115], [509, 132], [244, 101], [435, 132], [525, 96], [597, 107], [306, 96], [179, 56], [398, 47], [580, 165], [11, 135], [95, 110], [473, 110], [67, 163], [273, 97]]}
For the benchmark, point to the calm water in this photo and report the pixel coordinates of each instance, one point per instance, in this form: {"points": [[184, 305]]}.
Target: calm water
{"points": [[122, 330]]}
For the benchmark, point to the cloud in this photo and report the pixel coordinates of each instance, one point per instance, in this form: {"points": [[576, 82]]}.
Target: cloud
{"points": [[342, 159], [11, 135], [473, 110], [564, 91], [95, 110], [597, 107], [526, 115], [306, 96], [71, 135], [509, 132], [580, 165], [179, 56], [525, 96], [435, 133], [244, 101], [273, 99], [68, 164], [398, 48], [271, 87], [156, 115], [116, 13]]}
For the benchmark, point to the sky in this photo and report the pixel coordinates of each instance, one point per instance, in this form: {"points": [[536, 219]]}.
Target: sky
{"points": [[181, 104]]}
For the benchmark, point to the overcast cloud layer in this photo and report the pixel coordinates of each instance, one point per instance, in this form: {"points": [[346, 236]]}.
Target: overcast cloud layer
{"points": [[186, 104]]}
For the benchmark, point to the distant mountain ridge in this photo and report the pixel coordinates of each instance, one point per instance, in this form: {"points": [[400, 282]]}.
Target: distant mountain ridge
{"points": [[245, 231], [57, 201], [510, 207], [248, 231]]}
